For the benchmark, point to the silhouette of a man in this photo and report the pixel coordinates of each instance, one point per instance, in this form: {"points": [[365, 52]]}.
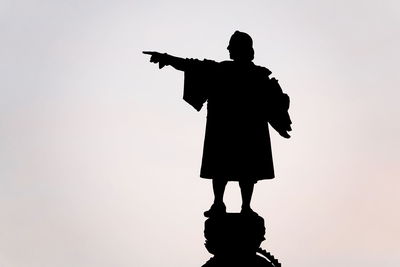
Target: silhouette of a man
{"points": [[241, 101]]}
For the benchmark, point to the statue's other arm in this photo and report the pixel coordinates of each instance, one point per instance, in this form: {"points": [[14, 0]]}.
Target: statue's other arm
{"points": [[281, 120], [164, 59]]}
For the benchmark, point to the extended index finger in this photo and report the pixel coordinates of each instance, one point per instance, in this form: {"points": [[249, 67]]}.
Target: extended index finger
{"points": [[149, 52]]}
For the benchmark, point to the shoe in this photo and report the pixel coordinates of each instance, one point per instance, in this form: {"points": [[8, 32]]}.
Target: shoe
{"points": [[248, 212], [216, 209]]}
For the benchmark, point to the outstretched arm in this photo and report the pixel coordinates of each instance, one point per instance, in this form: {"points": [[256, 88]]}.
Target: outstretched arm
{"points": [[165, 60]]}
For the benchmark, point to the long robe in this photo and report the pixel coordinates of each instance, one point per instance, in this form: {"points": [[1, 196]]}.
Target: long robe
{"points": [[241, 100]]}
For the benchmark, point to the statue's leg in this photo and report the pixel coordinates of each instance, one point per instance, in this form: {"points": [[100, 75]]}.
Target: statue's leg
{"points": [[219, 186], [246, 188], [218, 207]]}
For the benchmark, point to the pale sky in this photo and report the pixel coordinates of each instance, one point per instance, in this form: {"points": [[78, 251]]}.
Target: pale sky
{"points": [[100, 156]]}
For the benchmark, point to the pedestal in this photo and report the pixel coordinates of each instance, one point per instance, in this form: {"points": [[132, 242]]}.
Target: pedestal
{"points": [[234, 239]]}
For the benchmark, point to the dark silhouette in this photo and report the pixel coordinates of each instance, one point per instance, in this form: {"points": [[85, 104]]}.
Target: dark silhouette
{"points": [[234, 239], [242, 100]]}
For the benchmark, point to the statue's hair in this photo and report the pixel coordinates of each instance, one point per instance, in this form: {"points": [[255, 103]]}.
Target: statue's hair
{"points": [[241, 46]]}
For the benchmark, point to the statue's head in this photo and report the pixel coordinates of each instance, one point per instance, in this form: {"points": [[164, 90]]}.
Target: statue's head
{"points": [[241, 47]]}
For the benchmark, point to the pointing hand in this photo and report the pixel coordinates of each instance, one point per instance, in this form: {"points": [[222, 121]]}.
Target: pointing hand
{"points": [[157, 57]]}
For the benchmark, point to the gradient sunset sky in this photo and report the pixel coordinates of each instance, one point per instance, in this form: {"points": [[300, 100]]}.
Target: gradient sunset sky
{"points": [[100, 156]]}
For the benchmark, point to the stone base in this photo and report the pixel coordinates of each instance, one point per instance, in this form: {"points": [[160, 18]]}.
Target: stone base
{"points": [[234, 240]]}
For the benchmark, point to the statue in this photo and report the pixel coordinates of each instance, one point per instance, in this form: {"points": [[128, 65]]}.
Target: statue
{"points": [[241, 101]]}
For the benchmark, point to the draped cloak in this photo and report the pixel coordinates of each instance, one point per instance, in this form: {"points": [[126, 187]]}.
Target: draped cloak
{"points": [[241, 101]]}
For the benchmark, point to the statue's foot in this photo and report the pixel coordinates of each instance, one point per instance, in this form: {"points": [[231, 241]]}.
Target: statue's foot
{"points": [[216, 209], [248, 211]]}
